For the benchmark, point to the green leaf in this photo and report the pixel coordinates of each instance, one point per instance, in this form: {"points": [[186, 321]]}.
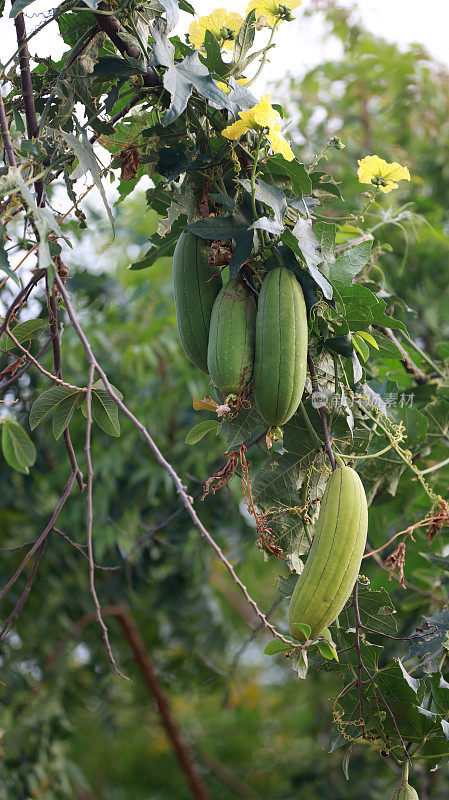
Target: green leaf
{"points": [[18, 6], [64, 411], [196, 433], [286, 584], [368, 338], [18, 449], [305, 629], [362, 308], [277, 166], [244, 39], [23, 332], [181, 77], [327, 651], [104, 408], [304, 244], [427, 646], [4, 263], [376, 611], [349, 264], [87, 163], [442, 562], [276, 646], [360, 346], [105, 412], [47, 404], [214, 59]]}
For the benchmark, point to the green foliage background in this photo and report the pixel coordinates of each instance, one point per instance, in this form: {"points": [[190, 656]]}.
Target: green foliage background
{"points": [[73, 728]]}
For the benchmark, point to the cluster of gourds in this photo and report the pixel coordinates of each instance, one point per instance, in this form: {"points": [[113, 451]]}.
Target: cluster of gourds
{"points": [[233, 339], [227, 335]]}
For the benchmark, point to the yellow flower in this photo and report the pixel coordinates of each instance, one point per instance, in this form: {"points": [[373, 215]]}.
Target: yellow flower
{"points": [[379, 173], [259, 117], [226, 89], [273, 10], [222, 24]]}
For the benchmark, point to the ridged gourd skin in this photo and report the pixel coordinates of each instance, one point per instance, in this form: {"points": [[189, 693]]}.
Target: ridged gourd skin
{"points": [[196, 285], [280, 363], [230, 357], [334, 559], [405, 792]]}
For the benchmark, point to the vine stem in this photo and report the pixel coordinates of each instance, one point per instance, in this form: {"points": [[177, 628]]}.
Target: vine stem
{"points": [[253, 177], [322, 412], [423, 355], [435, 467], [90, 551], [358, 625], [162, 461], [5, 134]]}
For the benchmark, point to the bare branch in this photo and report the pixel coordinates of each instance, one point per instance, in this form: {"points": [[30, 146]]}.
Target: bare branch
{"points": [[42, 537], [21, 298], [57, 361], [162, 461], [114, 29], [407, 361], [22, 600], [182, 750], [27, 91], [42, 369], [90, 551], [25, 368]]}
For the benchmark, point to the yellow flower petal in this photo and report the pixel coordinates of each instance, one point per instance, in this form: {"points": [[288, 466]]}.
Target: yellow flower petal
{"points": [[196, 34], [235, 130], [264, 113], [280, 145], [216, 21], [270, 9], [380, 173], [234, 21], [226, 89]]}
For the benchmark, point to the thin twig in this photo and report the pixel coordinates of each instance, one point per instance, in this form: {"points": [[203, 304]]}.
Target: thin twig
{"points": [[79, 548], [90, 475], [21, 297], [42, 369], [322, 412], [162, 461], [42, 537], [407, 361], [25, 368], [171, 518], [22, 600], [57, 362], [436, 598]]}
